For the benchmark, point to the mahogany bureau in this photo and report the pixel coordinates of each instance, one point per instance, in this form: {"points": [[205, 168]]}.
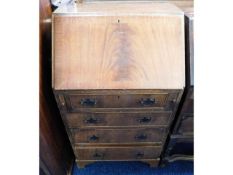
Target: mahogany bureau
{"points": [[118, 72]]}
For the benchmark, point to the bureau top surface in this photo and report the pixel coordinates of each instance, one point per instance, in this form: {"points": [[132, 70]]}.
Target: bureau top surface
{"points": [[119, 51], [118, 8]]}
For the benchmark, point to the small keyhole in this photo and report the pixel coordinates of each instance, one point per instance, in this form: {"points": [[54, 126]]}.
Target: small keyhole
{"points": [[118, 21]]}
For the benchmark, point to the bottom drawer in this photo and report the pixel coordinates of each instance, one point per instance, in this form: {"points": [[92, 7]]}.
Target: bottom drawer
{"points": [[118, 153]]}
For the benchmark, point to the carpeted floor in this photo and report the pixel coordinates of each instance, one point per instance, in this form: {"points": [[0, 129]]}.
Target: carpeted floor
{"points": [[134, 168]]}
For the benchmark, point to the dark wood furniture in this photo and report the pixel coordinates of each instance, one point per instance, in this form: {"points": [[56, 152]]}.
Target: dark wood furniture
{"points": [[180, 144], [118, 77], [56, 156]]}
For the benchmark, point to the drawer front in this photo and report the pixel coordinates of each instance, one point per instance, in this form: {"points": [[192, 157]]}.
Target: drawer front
{"points": [[161, 100], [118, 153], [186, 124], [117, 119], [104, 136]]}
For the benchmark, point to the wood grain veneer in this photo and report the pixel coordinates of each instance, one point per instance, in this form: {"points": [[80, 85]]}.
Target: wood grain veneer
{"points": [[118, 136], [119, 46], [118, 153], [114, 119]]}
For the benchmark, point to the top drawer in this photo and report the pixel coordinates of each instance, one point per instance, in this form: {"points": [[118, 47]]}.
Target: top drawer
{"points": [[75, 102]]}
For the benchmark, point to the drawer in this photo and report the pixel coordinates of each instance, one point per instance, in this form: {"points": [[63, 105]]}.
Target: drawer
{"points": [[103, 136], [186, 124], [118, 153], [117, 119], [159, 100]]}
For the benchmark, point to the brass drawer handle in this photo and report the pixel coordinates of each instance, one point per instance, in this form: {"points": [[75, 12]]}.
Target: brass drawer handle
{"points": [[141, 137], [88, 102], [139, 155], [145, 120], [91, 120], [94, 138], [98, 155], [148, 101]]}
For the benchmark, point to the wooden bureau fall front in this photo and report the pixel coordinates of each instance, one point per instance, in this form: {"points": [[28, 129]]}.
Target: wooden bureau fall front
{"points": [[118, 76]]}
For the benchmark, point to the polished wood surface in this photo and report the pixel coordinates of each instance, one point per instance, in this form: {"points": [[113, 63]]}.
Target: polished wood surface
{"points": [[118, 153], [114, 119], [91, 127], [124, 51], [119, 136], [120, 101]]}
